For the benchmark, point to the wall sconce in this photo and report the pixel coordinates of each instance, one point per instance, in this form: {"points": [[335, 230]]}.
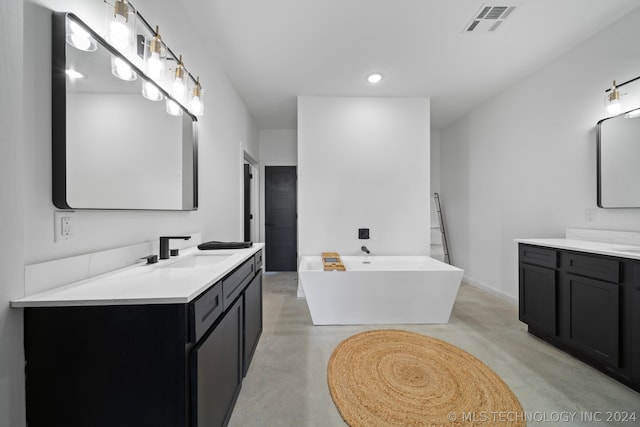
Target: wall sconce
{"points": [[196, 105], [178, 86], [173, 108], [122, 70], [612, 97], [612, 100], [120, 24], [155, 56], [77, 37]]}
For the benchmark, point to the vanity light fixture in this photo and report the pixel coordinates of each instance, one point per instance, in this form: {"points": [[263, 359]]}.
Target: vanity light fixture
{"points": [[173, 108], [195, 104], [155, 56], [79, 38], [122, 70], [150, 91], [612, 97], [374, 78], [612, 100], [178, 87], [120, 28]]}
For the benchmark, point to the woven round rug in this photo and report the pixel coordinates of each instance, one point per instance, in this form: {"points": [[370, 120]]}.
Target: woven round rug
{"points": [[400, 378]]}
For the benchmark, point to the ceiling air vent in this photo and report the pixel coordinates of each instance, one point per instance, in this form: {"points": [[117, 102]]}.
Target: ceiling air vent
{"points": [[488, 19]]}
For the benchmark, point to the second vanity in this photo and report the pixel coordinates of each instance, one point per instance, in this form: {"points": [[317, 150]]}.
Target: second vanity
{"points": [[151, 345], [584, 298]]}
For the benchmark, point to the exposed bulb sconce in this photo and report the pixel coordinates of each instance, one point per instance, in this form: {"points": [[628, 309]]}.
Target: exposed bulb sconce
{"points": [[173, 108], [151, 91], [79, 38], [155, 56], [122, 70], [196, 104], [612, 100], [178, 86], [120, 18], [612, 97]]}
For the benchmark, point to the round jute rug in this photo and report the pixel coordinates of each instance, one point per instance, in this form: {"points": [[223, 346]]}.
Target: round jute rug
{"points": [[400, 378]]}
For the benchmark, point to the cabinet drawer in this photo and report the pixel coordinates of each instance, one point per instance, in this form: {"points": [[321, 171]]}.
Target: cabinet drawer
{"points": [[258, 259], [538, 256], [594, 267], [205, 311], [233, 284]]}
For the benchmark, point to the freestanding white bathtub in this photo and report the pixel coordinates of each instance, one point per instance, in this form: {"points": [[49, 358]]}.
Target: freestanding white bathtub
{"points": [[387, 290]]}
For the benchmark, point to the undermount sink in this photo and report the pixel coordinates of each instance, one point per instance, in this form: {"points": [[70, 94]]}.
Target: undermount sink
{"points": [[198, 260]]}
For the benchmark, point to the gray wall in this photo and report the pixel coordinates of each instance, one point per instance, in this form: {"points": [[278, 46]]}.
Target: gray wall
{"points": [[12, 408]]}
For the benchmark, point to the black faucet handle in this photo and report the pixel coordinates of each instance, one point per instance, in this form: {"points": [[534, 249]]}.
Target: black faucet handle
{"points": [[151, 259], [176, 237]]}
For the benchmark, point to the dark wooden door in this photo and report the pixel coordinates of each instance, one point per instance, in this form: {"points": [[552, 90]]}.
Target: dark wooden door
{"points": [[247, 203], [280, 218]]}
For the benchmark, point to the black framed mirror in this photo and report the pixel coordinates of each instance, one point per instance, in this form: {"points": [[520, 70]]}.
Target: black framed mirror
{"points": [[618, 152], [112, 147]]}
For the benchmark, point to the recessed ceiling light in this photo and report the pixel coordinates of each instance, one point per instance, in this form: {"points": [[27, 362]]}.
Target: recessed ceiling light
{"points": [[374, 78], [73, 74]]}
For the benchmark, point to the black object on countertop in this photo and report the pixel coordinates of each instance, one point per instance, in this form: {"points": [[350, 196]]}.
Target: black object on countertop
{"points": [[224, 245]]}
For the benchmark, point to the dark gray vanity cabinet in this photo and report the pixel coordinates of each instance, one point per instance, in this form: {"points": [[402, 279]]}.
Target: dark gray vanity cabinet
{"points": [[584, 304], [538, 288], [156, 365]]}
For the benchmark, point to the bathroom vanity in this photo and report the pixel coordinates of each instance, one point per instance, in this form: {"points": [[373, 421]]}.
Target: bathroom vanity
{"points": [[159, 345], [584, 298]]}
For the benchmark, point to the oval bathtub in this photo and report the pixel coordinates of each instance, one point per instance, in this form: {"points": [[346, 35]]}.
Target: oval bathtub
{"points": [[380, 290]]}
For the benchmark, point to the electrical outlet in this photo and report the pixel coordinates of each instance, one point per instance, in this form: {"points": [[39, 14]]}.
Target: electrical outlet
{"points": [[363, 233], [589, 215], [63, 225]]}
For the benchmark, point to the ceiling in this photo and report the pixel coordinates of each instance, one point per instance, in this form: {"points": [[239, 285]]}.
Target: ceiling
{"points": [[276, 50]]}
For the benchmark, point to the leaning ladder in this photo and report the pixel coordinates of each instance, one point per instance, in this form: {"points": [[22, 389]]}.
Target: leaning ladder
{"points": [[445, 245]]}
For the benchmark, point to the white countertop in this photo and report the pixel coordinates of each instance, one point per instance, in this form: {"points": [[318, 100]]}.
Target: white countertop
{"points": [[158, 283], [602, 248]]}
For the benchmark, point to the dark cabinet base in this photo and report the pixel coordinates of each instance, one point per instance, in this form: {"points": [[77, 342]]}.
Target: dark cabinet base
{"points": [[106, 366], [586, 305]]}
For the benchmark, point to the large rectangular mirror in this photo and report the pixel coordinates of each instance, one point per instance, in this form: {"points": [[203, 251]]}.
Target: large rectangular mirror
{"points": [[113, 148], [618, 140]]}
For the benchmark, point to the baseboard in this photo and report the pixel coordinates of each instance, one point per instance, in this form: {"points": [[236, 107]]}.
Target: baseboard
{"points": [[490, 290]]}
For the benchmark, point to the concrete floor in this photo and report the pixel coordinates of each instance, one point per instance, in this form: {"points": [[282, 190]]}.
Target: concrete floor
{"points": [[286, 384]]}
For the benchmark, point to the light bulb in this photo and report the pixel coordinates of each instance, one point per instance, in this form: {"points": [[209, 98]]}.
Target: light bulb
{"points": [[73, 74], [122, 70], [79, 38], [155, 65], [82, 43], [173, 108], [151, 92], [177, 88], [614, 107], [195, 103], [119, 33]]}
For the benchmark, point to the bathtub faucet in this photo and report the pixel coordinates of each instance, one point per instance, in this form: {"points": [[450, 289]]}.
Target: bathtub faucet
{"points": [[365, 250]]}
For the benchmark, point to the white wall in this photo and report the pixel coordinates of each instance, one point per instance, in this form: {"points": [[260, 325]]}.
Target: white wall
{"points": [[278, 147], [524, 163], [26, 210], [363, 163], [12, 392], [225, 132]]}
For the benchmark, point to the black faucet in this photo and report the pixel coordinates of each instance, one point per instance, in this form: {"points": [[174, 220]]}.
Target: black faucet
{"points": [[365, 250], [164, 244]]}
